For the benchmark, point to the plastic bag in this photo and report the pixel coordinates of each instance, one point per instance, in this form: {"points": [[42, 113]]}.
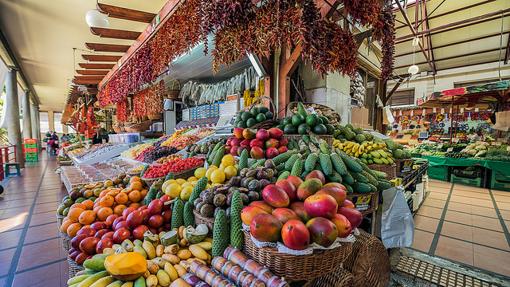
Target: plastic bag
{"points": [[397, 225]]}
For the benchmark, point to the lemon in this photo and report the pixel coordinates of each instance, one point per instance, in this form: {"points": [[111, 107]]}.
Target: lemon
{"points": [[181, 181], [173, 190], [228, 160], [200, 172], [210, 171], [218, 176], [186, 192], [192, 178], [230, 171]]}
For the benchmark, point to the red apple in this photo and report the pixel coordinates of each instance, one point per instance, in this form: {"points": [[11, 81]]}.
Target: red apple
{"points": [[167, 216], [88, 245], [155, 207], [139, 231], [98, 225], [135, 218], [127, 211], [102, 244], [262, 135], [99, 234], [122, 224], [81, 257], [108, 235], [110, 219], [156, 221], [289, 188], [86, 230], [75, 242], [116, 221], [121, 235]]}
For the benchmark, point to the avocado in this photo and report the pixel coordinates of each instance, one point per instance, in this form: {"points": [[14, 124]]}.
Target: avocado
{"points": [[269, 115], [311, 120], [289, 129], [320, 129], [297, 119], [254, 111], [260, 118], [246, 115], [241, 124], [251, 122], [303, 129], [330, 128], [287, 121], [263, 110], [324, 120]]}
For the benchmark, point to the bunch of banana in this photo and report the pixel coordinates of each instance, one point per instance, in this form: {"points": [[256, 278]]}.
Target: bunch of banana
{"points": [[370, 152]]}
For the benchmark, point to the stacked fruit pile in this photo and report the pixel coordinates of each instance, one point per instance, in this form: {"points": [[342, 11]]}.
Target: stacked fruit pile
{"points": [[259, 143], [299, 213], [204, 148], [370, 152], [176, 165], [304, 123], [257, 114]]}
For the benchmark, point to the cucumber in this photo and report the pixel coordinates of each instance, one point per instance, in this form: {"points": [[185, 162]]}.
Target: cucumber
{"points": [[326, 165], [338, 164], [290, 162], [310, 161], [350, 163], [297, 168]]}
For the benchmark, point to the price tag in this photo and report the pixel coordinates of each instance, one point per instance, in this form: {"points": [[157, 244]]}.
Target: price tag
{"points": [[363, 200], [450, 149]]}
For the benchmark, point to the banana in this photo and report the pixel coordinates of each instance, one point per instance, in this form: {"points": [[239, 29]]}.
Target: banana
{"points": [[149, 249]]}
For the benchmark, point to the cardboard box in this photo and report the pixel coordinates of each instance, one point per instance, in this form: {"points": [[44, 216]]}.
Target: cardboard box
{"points": [[359, 117]]}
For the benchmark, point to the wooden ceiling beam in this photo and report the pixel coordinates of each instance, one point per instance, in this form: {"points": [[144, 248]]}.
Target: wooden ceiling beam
{"points": [[98, 47], [125, 13], [96, 66], [114, 33], [92, 72], [88, 77], [463, 23], [101, 58]]}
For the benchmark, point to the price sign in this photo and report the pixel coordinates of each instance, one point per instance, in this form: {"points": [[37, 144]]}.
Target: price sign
{"points": [[450, 149]]}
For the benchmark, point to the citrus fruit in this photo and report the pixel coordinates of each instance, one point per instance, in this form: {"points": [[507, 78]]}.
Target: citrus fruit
{"points": [[173, 190], [87, 217], [107, 201], [74, 213], [210, 171], [230, 171], [119, 209], [135, 196], [136, 185], [218, 176], [200, 172], [228, 160], [103, 213], [73, 229], [89, 204], [121, 198], [186, 192]]}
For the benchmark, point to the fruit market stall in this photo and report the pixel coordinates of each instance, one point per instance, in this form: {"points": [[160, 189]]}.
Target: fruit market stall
{"points": [[96, 153]]}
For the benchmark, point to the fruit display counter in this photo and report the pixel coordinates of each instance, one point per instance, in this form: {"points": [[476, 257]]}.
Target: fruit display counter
{"points": [[97, 153], [255, 208]]}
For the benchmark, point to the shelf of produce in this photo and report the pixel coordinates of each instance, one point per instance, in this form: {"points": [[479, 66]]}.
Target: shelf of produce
{"points": [[101, 154]]}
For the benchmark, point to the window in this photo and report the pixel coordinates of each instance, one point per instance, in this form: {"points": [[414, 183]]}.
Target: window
{"points": [[57, 118], [402, 98], [45, 125]]}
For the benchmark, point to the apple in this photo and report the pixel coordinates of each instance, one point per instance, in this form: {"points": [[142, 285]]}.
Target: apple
{"points": [[262, 135], [110, 219], [155, 207], [238, 133], [75, 242], [121, 224], [167, 216], [98, 225], [120, 235], [99, 234], [139, 231], [86, 230], [81, 257], [116, 221], [108, 235], [271, 152], [127, 211], [135, 218], [102, 244], [156, 221], [88, 245]]}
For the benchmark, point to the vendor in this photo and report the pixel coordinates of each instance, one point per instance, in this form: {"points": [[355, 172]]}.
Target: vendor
{"points": [[99, 136]]}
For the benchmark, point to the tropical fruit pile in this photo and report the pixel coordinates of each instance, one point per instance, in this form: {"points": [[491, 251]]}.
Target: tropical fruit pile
{"points": [[299, 213], [304, 123], [175, 165], [257, 114], [369, 152], [258, 144], [203, 148]]}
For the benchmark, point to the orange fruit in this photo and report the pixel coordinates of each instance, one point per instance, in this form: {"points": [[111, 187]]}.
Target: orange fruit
{"points": [[65, 225], [79, 205], [87, 217], [74, 213], [135, 205], [136, 185], [119, 209], [103, 213], [113, 193], [121, 198], [73, 229], [89, 204], [135, 196], [96, 208], [106, 201], [134, 178], [103, 193], [143, 192]]}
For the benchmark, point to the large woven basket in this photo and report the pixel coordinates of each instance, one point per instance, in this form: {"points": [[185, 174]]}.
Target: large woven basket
{"points": [[66, 241], [150, 181], [320, 109], [293, 267], [199, 219], [338, 278], [389, 169], [138, 127], [73, 267], [369, 262], [60, 218], [328, 138]]}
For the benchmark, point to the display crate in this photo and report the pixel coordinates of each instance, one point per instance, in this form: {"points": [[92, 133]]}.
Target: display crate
{"points": [[30, 146], [439, 172], [32, 157], [466, 181], [500, 181]]}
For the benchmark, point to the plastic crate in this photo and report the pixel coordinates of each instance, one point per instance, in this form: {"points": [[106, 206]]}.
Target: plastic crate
{"points": [[500, 181], [467, 181], [438, 172], [30, 141], [31, 150], [30, 156]]}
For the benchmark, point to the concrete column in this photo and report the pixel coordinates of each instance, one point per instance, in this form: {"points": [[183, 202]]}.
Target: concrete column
{"points": [[12, 115], [34, 112], [65, 129], [51, 121], [27, 116]]}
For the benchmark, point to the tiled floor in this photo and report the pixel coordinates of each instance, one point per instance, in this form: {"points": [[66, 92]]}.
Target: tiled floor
{"points": [[465, 224], [30, 250]]}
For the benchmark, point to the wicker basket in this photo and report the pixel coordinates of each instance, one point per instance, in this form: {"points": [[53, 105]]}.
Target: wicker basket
{"points": [[199, 219], [60, 218], [297, 268], [329, 139], [265, 124], [369, 262], [150, 181], [66, 241], [138, 127], [73, 267], [292, 108], [338, 278], [390, 170], [186, 174], [154, 117]]}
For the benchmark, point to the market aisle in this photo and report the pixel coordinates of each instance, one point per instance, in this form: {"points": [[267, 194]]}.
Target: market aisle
{"points": [[30, 249], [465, 224]]}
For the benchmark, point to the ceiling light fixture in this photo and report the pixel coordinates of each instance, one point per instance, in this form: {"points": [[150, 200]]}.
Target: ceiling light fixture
{"points": [[414, 69], [94, 18]]}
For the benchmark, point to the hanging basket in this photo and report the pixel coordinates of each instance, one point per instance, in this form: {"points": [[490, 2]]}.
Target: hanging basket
{"points": [[138, 127], [174, 89]]}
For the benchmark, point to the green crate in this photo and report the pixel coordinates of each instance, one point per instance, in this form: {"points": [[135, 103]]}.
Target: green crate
{"points": [[466, 181], [500, 181], [439, 172], [30, 145], [31, 156]]}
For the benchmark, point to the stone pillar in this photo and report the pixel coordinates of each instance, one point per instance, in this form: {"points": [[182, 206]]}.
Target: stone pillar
{"points": [[36, 134], [51, 121], [27, 116], [12, 115]]}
